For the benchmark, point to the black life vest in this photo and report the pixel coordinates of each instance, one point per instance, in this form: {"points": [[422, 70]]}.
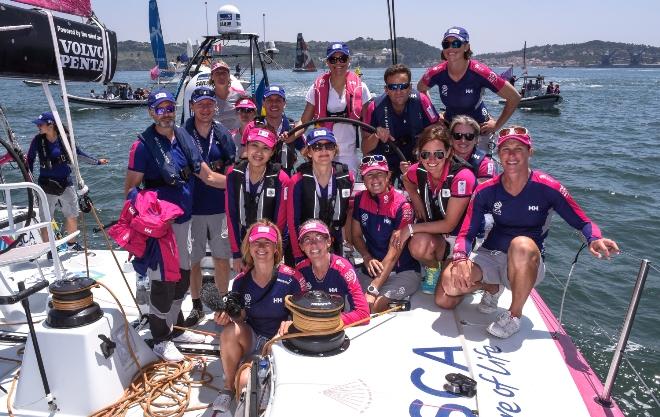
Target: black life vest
{"points": [[227, 155], [170, 174], [248, 208], [46, 161], [436, 208], [333, 210], [414, 113], [476, 157]]}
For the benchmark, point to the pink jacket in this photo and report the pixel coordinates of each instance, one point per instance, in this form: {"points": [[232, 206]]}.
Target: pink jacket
{"points": [[146, 217]]}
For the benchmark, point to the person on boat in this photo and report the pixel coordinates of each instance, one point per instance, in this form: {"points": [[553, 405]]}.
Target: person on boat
{"points": [[92, 94], [520, 200], [256, 189], [550, 89], [246, 111], [328, 272], [556, 89], [399, 115], [439, 187], [275, 120], [226, 95], [338, 92], [165, 159], [320, 189], [55, 173], [464, 132], [237, 70], [261, 289], [389, 272], [208, 223], [461, 81]]}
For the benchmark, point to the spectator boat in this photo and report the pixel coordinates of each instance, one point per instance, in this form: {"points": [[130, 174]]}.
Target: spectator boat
{"points": [[115, 95]]}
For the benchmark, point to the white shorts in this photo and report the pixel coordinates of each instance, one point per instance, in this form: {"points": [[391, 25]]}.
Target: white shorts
{"points": [[68, 202], [183, 243], [397, 287], [211, 228], [451, 241], [493, 265]]}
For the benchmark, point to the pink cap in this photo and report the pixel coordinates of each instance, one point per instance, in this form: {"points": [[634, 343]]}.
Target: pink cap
{"points": [[245, 103], [313, 226], [374, 166], [220, 64], [264, 136], [263, 232], [522, 138]]}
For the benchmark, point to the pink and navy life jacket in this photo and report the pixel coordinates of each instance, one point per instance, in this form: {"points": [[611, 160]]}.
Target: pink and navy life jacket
{"points": [[353, 97]]}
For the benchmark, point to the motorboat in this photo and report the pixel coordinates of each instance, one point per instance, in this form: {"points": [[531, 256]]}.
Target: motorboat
{"points": [[36, 83]]}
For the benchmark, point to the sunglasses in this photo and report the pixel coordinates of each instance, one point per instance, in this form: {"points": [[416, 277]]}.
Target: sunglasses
{"points": [[164, 110], [372, 159], [466, 136], [399, 86], [245, 110], [342, 58], [262, 243], [328, 146], [308, 240], [427, 154], [519, 130], [456, 43]]}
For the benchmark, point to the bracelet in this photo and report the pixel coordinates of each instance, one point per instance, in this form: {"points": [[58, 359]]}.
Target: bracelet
{"points": [[410, 229]]}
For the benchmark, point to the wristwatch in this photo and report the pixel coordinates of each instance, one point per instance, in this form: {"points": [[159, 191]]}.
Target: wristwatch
{"points": [[373, 290]]}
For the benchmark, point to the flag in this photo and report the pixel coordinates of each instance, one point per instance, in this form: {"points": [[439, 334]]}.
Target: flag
{"points": [[217, 48], [154, 73]]}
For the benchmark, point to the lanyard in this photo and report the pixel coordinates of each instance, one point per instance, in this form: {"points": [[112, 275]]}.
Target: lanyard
{"points": [[260, 182], [198, 142], [318, 187]]}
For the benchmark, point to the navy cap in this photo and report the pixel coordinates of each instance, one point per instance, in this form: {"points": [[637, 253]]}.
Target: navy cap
{"points": [[458, 33], [320, 133], [337, 47], [157, 97], [202, 93], [275, 89], [44, 118]]}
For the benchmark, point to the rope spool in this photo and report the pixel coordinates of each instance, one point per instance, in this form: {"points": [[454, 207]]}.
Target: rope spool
{"points": [[72, 303]]}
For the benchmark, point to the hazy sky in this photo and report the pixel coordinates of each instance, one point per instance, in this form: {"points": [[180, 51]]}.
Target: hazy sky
{"points": [[493, 25]]}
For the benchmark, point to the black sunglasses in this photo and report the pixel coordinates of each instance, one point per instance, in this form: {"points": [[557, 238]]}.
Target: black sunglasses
{"points": [[328, 146], [456, 43], [466, 136], [399, 86], [427, 154], [342, 58], [163, 110]]}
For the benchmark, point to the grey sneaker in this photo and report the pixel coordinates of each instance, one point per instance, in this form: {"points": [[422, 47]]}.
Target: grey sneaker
{"points": [[222, 401], [193, 318], [190, 337], [488, 302], [168, 352], [505, 325]]}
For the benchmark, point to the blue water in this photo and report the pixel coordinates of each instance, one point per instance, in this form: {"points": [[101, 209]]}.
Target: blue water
{"points": [[601, 144]]}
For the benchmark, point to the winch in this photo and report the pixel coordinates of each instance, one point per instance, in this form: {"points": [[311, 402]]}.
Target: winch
{"points": [[72, 304], [316, 312]]}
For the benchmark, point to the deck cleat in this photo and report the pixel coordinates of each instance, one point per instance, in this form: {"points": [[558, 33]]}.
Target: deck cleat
{"points": [[460, 384]]}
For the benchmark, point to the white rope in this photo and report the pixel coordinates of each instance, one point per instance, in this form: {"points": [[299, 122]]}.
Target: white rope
{"points": [[71, 150], [14, 28]]}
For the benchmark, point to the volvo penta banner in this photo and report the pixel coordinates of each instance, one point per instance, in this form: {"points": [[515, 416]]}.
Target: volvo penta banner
{"points": [[26, 49]]}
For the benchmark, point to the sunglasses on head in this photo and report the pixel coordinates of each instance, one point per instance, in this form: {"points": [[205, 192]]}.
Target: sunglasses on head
{"points": [[164, 110], [427, 154], [342, 58], [399, 86], [518, 130], [466, 136], [372, 159], [317, 147], [456, 43]]}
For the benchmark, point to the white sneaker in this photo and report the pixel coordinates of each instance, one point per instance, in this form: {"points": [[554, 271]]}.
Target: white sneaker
{"points": [[505, 325], [168, 352], [190, 337], [222, 401], [488, 302]]}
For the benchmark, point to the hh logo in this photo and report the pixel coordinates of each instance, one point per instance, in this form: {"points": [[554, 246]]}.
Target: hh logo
{"points": [[533, 208], [277, 300], [333, 290], [148, 231], [468, 91]]}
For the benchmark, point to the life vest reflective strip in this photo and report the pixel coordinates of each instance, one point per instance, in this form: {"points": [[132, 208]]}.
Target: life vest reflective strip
{"points": [[164, 160], [436, 208], [334, 210], [353, 97], [244, 206], [46, 161]]}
